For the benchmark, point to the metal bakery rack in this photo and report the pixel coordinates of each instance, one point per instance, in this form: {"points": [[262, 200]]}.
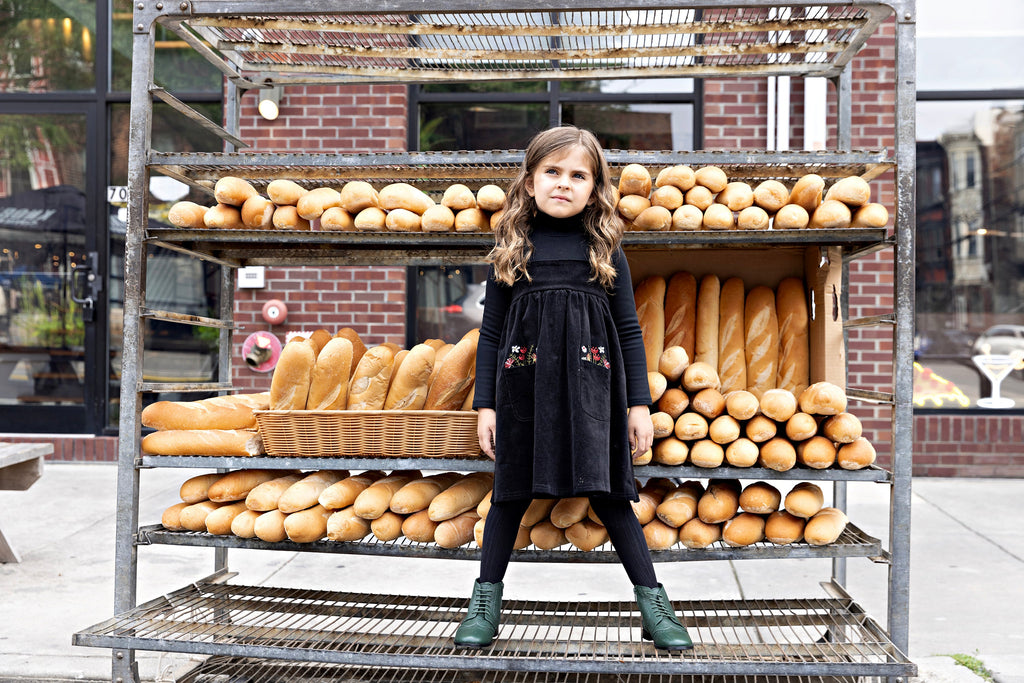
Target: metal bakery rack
{"points": [[258, 633]]}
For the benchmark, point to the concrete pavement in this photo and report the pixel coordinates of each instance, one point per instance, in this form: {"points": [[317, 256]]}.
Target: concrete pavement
{"points": [[967, 573]]}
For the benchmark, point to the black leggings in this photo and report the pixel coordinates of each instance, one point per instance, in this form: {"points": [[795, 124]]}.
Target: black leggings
{"points": [[616, 514]]}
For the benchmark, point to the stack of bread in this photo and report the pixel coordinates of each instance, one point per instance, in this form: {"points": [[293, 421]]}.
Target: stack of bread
{"points": [[450, 510], [681, 198], [355, 206], [338, 372], [221, 426], [728, 372]]}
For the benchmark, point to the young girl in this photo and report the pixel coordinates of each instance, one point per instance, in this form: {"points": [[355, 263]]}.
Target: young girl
{"points": [[561, 376]]}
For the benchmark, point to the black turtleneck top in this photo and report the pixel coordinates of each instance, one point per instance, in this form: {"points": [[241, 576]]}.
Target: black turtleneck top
{"points": [[556, 239]]}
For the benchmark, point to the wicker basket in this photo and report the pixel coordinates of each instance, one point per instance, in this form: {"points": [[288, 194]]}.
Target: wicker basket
{"points": [[370, 433]]}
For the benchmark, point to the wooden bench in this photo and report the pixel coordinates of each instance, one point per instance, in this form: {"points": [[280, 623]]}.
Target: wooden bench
{"points": [[21, 465]]}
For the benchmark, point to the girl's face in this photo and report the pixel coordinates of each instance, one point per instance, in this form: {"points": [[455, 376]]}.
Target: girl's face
{"points": [[563, 183]]}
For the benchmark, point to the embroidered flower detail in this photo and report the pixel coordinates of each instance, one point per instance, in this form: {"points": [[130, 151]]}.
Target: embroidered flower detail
{"points": [[520, 356], [596, 355]]}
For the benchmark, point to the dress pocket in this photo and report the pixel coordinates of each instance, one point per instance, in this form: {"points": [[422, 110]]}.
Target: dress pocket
{"points": [[517, 378], [595, 382]]}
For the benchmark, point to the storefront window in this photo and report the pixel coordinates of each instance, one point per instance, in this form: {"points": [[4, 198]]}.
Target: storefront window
{"points": [[47, 46]]}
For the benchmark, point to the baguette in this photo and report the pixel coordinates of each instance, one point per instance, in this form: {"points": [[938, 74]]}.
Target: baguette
{"points": [[388, 526], [187, 215], [233, 191], [654, 218], [371, 219], [681, 312], [343, 493], [403, 220], [328, 385], [568, 511], [673, 402], [418, 527], [732, 368], [760, 498], [718, 217], [700, 375], [760, 429], [856, 455], [346, 525], [699, 197], [371, 378], [456, 531], [409, 385], [236, 485], [736, 196], [288, 218], [485, 505], [782, 528], [853, 191], [771, 195], [417, 494], [219, 521], [404, 196], [307, 526], [650, 311], [711, 177], [723, 430], [461, 496], [660, 536], [171, 517], [264, 497], [753, 218], [801, 427], [305, 493], [778, 404], [742, 404], [539, 509], [258, 213], [744, 529], [679, 176], [472, 220], [761, 340], [289, 386], [451, 382], [269, 527], [870, 216], [195, 489], [657, 385], [631, 205], [285, 192], [586, 534], [804, 500], [663, 424], [791, 217], [825, 526], [699, 534], [680, 505], [842, 428], [816, 452], [193, 517], [794, 333], [244, 524], [708, 402], [691, 427], [375, 500], [706, 329], [218, 442], [312, 204], [822, 398], [223, 217], [719, 502], [546, 536], [830, 214], [357, 195], [806, 192], [645, 508]]}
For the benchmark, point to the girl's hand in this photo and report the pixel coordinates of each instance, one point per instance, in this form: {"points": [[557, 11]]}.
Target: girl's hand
{"points": [[640, 429], [485, 426]]}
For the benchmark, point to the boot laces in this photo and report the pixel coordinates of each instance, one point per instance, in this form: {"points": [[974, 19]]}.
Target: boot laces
{"points": [[663, 610], [479, 607]]}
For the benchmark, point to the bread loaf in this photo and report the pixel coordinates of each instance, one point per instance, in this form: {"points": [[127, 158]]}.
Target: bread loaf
{"points": [[753, 218], [663, 424], [456, 531], [761, 340], [409, 385], [711, 177], [724, 429], [825, 527], [669, 197], [822, 398], [742, 404], [853, 191], [760, 429], [742, 453], [328, 388], [358, 347], [732, 364], [673, 402], [720, 501], [285, 192], [312, 204], [679, 176], [586, 534], [700, 197], [630, 206], [308, 525], [681, 312], [660, 536], [807, 192], [387, 527], [472, 220], [777, 454], [458, 197], [794, 320], [371, 219], [706, 329], [870, 216], [778, 404], [375, 499], [672, 362], [771, 195], [687, 218], [305, 493], [718, 217], [193, 517], [842, 427], [289, 386], [461, 496], [236, 485], [791, 217], [195, 489], [650, 311], [437, 218], [539, 509], [223, 217], [691, 427], [319, 339], [760, 498], [453, 380], [403, 220], [782, 528], [642, 458], [220, 442], [244, 524], [233, 191], [856, 455], [371, 378], [744, 529], [801, 427], [346, 525], [546, 536], [264, 497], [736, 196], [343, 493], [418, 527], [654, 218], [680, 505], [657, 384], [804, 500], [171, 517], [187, 215], [404, 196], [707, 453], [670, 451], [830, 214], [699, 534], [357, 195], [816, 452], [485, 505], [417, 494], [337, 219], [258, 213], [635, 179], [568, 511], [708, 402], [490, 198], [646, 504]]}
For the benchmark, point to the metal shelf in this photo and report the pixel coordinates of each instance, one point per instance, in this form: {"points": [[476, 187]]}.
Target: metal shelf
{"points": [[820, 636]]}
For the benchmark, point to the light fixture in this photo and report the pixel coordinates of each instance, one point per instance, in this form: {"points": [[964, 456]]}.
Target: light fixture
{"points": [[270, 100]]}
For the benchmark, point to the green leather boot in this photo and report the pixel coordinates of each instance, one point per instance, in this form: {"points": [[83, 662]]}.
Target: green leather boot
{"points": [[481, 623], [659, 619]]}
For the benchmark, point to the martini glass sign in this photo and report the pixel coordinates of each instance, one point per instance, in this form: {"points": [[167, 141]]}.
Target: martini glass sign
{"points": [[996, 367]]}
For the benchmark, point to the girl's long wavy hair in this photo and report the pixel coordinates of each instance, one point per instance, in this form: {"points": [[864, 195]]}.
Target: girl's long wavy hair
{"points": [[604, 227]]}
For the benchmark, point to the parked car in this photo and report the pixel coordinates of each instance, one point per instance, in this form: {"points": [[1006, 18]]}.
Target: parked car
{"points": [[1000, 340]]}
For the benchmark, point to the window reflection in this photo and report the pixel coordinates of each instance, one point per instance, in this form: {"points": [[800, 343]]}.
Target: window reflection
{"points": [[47, 46]]}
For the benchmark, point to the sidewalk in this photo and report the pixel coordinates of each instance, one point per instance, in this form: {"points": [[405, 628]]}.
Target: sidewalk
{"points": [[967, 573]]}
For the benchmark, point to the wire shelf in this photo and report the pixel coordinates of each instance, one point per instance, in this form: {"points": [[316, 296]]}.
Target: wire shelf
{"points": [[819, 636]]}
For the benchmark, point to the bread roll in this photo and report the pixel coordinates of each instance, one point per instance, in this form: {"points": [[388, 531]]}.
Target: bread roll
{"points": [[458, 197], [418, 527], [408, 390], [452, 382], [404, 196], [265, 496], [586, 534], [490, 198], [870, 216], [375, 499], [187, 215], [673, 402], [804, 500], [720, 501], [642, 458], [791, 217], [193, 517], [438, 218], [635, 179], [328, 386], [708, 402], [760, 498], [221, 442], [830, 214], [700, 197], [461, 496], [568, 511], [801, 427], [660, 536], [672, 362], [195, 489], [646, 504], [289, 386], [679, 176], [681, 313], [456, 531], [794, 330], [657, 384], [856, 455], [782, 528], [753, 218], [337, 219], [732, 364], [706, 329], [742, 453], [825, 527], [816, 452], [285, 192], [687, 218], [670, 451], [244, 524], [691, 427], [312, 204], [538, 510], [223, 217], [371, 219], [663, 424], [343, 493], [357, 195], [712, 178], [472, 220], [496, 219], [371, 378], [653, 218], [760, 429], [258, 213], [822, 398], [744, 529], [718, 217], [305, 493], [771, 195], [778, 404], [853, 191], [777, 454], [546, 536], [761, 340], [630, 206], [233, 191], [736, 196], [680, 505], [842, 427], [387, 527], [807, 192], [699, 534], [171, 518], [742, 404], [707, 453], [669, 197], [346, 525], [724, 429], [417, 494], [650, 311], [402, 220], [307, 526]]}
